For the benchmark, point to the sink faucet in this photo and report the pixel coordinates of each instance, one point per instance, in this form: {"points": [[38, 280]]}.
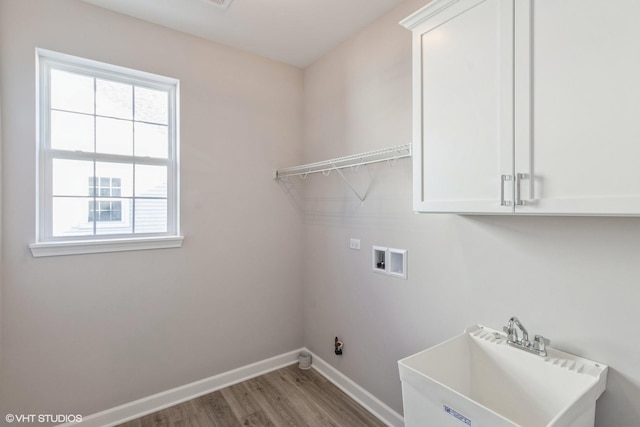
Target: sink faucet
{"points": [[512, 333], [521, 340]]}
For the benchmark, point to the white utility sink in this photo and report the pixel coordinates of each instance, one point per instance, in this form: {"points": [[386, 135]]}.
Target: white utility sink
{"points": [[476, 379]]}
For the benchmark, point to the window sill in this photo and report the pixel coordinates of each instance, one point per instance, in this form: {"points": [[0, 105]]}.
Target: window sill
{"points": [[98, 246]]}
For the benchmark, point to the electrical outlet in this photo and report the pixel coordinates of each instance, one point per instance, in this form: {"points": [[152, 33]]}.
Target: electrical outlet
{"points": [[354, 244]]}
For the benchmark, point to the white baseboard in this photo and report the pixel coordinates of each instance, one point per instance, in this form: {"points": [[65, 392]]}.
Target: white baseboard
{"points": [[150, 404], [371, 403]]}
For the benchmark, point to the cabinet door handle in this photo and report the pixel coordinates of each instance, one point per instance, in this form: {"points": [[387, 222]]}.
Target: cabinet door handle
{"points": [[519, 178], [504, 178]]}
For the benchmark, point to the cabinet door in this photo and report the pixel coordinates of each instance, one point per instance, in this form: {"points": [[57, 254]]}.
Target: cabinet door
{"points": [[577, 106], [463, 104]]}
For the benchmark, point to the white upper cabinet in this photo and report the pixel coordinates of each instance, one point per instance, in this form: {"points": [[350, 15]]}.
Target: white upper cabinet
{"points": [[527, 107], [463, 106]]}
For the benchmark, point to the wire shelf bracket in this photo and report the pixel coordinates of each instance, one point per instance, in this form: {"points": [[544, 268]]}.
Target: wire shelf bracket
{"points": [[354, 161]]}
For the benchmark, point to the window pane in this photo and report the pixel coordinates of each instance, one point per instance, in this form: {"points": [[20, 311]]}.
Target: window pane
{"points": [[110, 149], [71, 92], [122, 173], [112, 211], [151, 216], [151, 181], [151, 105], [91, 184], [113, 216], [114, 99], [151, 140], [114, 136], [71, 131], [116, 187], [70, 216], [72, 177]]}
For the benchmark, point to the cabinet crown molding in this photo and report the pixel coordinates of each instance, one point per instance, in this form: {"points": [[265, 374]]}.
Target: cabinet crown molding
{"points": [[431, 9]]}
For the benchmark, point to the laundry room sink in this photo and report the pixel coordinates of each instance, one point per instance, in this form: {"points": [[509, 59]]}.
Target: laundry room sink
{"points": [[477, 379]]}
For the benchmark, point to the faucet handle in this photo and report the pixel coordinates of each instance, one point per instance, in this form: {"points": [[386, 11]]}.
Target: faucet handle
{"points": [[540, 343]]}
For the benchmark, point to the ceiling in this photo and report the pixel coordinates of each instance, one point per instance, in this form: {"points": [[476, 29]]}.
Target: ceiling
{"points": [[296, 32]]}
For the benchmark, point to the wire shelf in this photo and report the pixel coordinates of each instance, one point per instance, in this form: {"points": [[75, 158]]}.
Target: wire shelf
{"points": [[352, 161], [390, 154]]}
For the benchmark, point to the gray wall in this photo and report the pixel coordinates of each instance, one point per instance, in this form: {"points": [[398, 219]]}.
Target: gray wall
{"points": [[82, 334], [574, 280]]}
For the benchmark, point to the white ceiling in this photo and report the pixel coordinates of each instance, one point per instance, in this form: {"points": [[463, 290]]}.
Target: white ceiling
{"points": [[296, 32]]}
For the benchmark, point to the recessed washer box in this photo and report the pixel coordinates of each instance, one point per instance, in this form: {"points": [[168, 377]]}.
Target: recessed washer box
{"points": [[397, 260], [380, 259], [389, 261]]}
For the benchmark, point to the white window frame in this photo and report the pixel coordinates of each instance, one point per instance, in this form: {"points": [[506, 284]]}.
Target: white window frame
{"points": [[48, 245]]}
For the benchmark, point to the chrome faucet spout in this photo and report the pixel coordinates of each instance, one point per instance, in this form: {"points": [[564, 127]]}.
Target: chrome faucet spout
{"points": [[538, 346], [525, 335]]}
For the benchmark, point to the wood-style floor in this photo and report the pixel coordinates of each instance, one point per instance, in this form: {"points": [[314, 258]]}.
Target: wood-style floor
{"points": [[286, 397]]}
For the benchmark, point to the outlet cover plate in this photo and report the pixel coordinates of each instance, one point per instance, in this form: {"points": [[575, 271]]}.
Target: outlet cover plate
{"points": [[354, 244]]}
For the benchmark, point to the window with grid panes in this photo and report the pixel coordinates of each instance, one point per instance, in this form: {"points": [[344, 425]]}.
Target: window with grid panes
{"points": [[108, 152]]}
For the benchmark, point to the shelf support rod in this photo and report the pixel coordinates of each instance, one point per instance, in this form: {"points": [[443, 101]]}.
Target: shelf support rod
{"points": [[361, 198]]}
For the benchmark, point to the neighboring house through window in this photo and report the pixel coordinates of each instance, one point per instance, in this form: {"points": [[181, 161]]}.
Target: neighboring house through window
{"points": [[110, 210], [107, 157]]}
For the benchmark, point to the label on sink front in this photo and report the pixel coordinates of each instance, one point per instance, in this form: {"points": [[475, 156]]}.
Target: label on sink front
{"points": [[456, 414]]}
